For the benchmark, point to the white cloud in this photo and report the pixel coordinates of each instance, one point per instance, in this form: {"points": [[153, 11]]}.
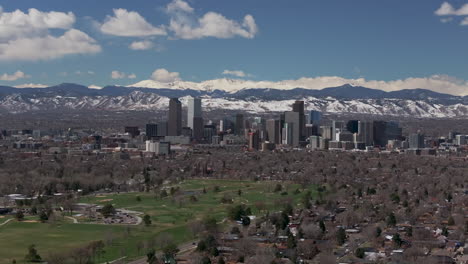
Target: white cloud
{"points": [[164, 76], [13, 77], [49, 47], [92, 86], [26, 36], [141, 45], [122, 75], [185, 25], [31, 85], [179, 5], [235, 73], [446, 19], [464, 22], [129, 24], [446, 9], [18, 24], [118, 75]]}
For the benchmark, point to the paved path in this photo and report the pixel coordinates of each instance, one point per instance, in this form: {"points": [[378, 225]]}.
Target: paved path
{"points": [[75, 221], [7, 221]]}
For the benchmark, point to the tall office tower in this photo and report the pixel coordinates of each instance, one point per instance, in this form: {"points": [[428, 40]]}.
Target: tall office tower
{"points": [[315, 117], [326, 132], [194, 110], [311, 130], [393, 131], [254, 140], [460, 140], [298, 107], [380, 136], [416, 141], [287, 134], [132, 131], [337, 126], [366, 132], [294, 118], [175, 117], [151, 130], [162, 129], [452, 135], [209, 131], [197, 130], [352, 126], [273, 131], [239, 124]]}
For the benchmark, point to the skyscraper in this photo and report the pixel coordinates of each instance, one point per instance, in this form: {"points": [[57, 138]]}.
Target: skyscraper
{"points": [[298, 107], [151, 130], [416, 141], [239, 124], [366, 132], [175, 117], [273, 131], [293, 118], [337, 126], [194, 110], [315, 117]]}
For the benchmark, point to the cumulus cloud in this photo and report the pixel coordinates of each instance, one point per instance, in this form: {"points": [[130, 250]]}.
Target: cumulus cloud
{"points": [[236, 73], [164, 76], [26, 36], [185, 25], [19, 24], [129, 24], [122, 75], [31, 85], [13, 77], [93, 86], [49, 47], [141, 45], [464, 22], [446, 9]]}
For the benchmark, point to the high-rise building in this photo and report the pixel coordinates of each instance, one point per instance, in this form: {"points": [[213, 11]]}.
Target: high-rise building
{"points": [[162, 129], [294, 119], [298, 107], [337, 126], [273, 131], [380, 136], [366, 132], [194, 110], [311, 130], [287, 134], [254, 140], [133, 131], [416, 141], [353, 126], [151, 130], [197, 130], [315, 117], [240, 124], [175, 117], [326, 132], [209, 131], [460, 140]]}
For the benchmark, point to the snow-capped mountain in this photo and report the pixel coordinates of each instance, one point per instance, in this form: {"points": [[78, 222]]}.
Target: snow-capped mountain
{"points": [[343, 99]]}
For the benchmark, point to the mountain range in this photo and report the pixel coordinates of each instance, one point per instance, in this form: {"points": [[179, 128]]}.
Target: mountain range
{"points": [[150, 95]]}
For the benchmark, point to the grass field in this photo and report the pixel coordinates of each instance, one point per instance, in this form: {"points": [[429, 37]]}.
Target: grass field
{"points": [[169, 215]]}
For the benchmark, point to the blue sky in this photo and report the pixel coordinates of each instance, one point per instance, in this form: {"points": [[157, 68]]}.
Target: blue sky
{"points": [[377, 40]]}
